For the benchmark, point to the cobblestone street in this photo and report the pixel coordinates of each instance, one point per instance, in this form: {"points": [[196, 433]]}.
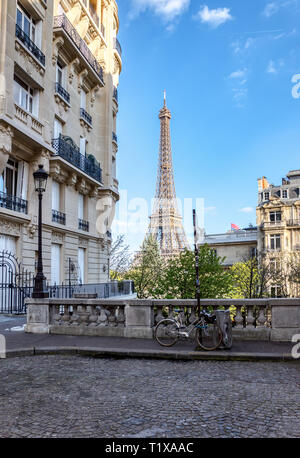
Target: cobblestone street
{"points": [[64, 396]]}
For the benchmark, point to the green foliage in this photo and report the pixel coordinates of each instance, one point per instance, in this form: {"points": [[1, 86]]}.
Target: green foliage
{"points": [[179, 278], [147, 270], [248, 279]]}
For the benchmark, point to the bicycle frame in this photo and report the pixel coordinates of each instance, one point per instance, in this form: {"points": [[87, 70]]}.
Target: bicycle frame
{"points": [[188, 329]]}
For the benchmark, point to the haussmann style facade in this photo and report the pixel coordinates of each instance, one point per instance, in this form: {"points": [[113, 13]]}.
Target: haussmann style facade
{"points": [[59, 71]]}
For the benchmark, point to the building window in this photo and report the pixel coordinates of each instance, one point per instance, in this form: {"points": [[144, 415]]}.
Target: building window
{"points": [[285, 194], [276, 291], [267, 196], [81, 265], [26, 23], [83, 146], [275, 266], [9, 178], [58, 127], [275, 242], [25, 96], [83, 99], [253, 252], [60, 74], [80, 206], [55, 196], [275, 216], [55, 264]]}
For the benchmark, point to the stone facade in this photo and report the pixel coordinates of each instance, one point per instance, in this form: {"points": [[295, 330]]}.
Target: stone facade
{"points": [[278, 221], [59, 70], [234, 246]]}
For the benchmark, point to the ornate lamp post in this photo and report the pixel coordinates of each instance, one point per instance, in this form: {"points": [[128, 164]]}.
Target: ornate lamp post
{"points": [[40, 287]]}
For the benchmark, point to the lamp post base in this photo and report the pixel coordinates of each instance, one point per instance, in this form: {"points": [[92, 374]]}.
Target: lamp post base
{"points": [[40, 288]]}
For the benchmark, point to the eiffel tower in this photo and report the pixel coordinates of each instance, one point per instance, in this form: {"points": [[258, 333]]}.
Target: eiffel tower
{"points": [[165, 221]]}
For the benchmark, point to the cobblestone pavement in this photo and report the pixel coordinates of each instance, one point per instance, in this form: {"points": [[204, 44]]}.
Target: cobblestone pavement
{"points": [[72, 396]]}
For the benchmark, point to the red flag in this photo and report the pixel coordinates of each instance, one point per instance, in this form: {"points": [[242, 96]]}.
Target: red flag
{"points": [[234, 227]]}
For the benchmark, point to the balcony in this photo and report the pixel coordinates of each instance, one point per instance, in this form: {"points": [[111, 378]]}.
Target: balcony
{"points": [[58, 217], [13, 203], [117, 46], [271, 224], [83, 225], [75, 41], [114, 137], [30, 45], [86, 117], [68, 150], [62, 92], [293, 222]]}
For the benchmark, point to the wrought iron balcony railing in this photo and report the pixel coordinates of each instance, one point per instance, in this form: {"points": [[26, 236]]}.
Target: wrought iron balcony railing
{"points": [[62, 92], [117, 46], [86, 117], [58, 217], [115, 94], [83, 225], [114, 137], [30, 45], [68, 150], [13, 203], [64, 23]]}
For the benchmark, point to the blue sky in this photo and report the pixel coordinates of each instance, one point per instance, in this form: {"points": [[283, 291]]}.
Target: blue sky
{"points": [[227, 67]]}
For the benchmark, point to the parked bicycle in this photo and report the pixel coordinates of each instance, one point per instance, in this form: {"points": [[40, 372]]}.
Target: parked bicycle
{"points": [[208, 333]]}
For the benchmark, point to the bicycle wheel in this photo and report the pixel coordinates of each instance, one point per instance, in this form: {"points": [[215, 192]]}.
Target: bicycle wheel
{"points": [[166, 332], [209, 337]]}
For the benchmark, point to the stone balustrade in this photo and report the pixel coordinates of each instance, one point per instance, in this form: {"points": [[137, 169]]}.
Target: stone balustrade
{"points": [[259, 319]]}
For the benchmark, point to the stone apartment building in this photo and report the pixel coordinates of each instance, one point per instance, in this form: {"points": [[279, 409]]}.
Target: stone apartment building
{"points": [[60, 62], [278, 220], [234, 246]]}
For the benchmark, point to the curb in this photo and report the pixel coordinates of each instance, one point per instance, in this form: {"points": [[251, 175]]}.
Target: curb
{"points": [[152, 354]]}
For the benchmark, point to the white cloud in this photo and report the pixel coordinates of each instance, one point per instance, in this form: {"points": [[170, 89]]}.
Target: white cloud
{"points": [[274, 67], [273, 7], [214, 17], [270, 9], [167, 9], [247, 210], [238, 74]]}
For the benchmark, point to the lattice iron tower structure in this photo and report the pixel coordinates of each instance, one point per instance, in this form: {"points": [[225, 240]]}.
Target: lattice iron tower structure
{"points": [[166, 221]]}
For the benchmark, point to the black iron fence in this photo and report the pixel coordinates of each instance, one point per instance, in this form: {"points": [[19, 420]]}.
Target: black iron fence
{"points": [[62, 92], [13, 203], [68, 150], [84, 115], [16, 284], [30, 45], [63, 22]]}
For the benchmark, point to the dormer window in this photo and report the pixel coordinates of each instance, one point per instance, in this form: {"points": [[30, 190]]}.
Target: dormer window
{"points": [[267, 196], [284, 193]]}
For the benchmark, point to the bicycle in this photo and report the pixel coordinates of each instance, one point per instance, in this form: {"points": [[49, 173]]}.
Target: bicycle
{"points": [[208, 333]]}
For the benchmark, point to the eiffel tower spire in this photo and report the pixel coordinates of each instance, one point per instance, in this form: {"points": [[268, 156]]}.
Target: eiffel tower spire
{"points": [[165, 221]]}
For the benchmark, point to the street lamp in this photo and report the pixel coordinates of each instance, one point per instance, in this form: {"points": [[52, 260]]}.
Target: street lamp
{"points": [[40, 287]]}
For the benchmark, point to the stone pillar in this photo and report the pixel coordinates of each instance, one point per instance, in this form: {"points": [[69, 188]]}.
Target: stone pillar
{"points": [[139, 319], [6, 135], [224, 321], [285, 319], [38, 316]]}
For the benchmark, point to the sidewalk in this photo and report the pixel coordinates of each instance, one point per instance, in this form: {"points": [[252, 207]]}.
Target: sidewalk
{"points": [[18, 343]]}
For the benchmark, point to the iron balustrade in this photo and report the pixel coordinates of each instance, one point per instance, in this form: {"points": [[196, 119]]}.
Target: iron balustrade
{"points": [[114, 137], [117, 46], [13, 203], [63, 22], [86, 117], [30, 45], [62, 92], [68, 150], [83, 225], [58, 217], [115, 94]]}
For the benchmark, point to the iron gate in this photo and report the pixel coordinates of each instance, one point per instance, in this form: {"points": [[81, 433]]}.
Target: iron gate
{"points": [[15, 284]]}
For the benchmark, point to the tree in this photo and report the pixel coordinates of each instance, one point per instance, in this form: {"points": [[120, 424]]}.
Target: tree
{"points": [[120, 258], [179, 278], [147, 269]]}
